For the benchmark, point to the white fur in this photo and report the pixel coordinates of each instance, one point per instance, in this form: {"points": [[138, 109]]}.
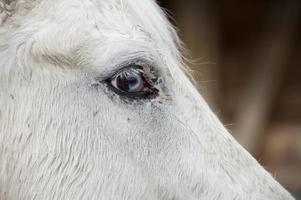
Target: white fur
{"points": [[64, 137]]}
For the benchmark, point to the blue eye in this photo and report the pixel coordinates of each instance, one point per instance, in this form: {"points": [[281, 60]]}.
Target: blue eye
{"points": [[129, 81], [133, 82]]}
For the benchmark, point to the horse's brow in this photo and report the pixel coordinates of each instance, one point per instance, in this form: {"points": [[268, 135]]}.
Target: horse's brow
{"points": [[69, 58]]}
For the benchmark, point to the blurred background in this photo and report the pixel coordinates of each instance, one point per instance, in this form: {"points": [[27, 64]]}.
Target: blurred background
{"points": [[246, 59]]}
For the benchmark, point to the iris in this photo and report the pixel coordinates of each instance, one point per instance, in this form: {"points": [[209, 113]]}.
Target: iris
{"points": [[130, 81]]}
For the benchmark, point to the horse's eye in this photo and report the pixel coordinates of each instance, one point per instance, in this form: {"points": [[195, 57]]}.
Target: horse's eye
{"points": [[133, 82]]}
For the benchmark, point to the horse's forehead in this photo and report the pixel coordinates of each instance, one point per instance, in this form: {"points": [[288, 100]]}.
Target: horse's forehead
{"points": [[129, 25], [114, 16]]}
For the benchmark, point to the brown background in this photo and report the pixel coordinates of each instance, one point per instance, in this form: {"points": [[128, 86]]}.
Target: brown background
{"points": [[246, 59]]}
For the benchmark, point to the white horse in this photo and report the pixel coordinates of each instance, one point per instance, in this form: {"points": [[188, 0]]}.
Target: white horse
{"points": [[95, 104]]}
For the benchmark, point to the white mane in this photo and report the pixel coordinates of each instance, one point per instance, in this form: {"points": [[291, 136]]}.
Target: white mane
{"points": [[65, 135]]}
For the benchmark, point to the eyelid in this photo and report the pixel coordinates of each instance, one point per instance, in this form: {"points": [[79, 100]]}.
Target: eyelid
{"points": [[130, 68], [114, 70]]}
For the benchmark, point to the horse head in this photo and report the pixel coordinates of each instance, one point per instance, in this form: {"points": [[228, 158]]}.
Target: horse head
{"points": [[96, 103]]}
